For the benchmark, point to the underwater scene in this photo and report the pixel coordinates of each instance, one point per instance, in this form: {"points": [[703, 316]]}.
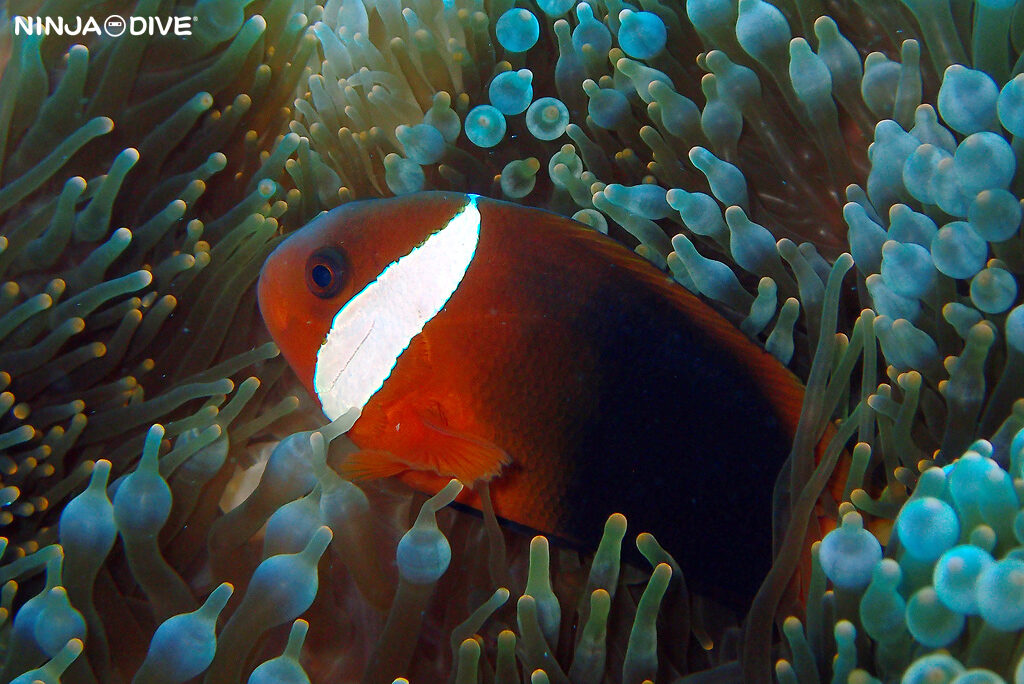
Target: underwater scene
{"points": [[511, 341]]}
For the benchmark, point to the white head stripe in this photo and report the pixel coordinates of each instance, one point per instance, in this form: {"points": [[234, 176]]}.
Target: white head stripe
{"points": [[372, 330]]}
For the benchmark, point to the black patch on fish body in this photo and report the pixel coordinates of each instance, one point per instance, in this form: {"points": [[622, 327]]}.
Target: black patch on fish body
{"points": [[683, 442]]}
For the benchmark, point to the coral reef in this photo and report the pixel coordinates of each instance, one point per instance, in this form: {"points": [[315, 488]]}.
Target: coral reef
{"points": [[841, 179]]}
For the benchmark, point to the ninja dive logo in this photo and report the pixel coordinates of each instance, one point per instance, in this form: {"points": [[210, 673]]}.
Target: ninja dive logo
{"points": [[114, 26]]}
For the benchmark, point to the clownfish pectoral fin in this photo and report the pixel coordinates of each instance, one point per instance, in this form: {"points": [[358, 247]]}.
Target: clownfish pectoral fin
{"points": [[465, 457], [370, 464]]}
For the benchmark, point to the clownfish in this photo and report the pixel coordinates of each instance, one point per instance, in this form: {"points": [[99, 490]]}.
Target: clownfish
{"points": [[488, 341]]}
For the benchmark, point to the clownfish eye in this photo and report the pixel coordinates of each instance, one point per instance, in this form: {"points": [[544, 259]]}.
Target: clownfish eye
{"points": [[326, 272]]}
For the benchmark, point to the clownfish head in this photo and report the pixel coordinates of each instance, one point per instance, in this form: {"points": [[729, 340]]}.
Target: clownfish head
{"points": [[344, 296]]}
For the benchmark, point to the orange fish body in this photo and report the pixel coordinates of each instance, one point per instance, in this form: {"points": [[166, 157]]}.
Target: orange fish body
{"points": [[570, 373]]}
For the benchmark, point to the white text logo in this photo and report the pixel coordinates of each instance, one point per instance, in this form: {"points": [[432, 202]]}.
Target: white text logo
{"points": [[114, 26]]}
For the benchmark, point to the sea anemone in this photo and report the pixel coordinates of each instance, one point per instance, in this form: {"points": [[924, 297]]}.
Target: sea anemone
{"points": [[916, 137], [144, 179]]}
